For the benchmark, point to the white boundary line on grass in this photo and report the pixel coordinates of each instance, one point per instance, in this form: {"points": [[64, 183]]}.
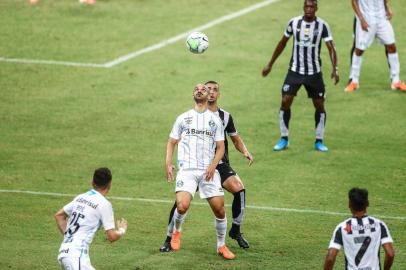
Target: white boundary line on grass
{"points": [[148, 49], [266, 208]]}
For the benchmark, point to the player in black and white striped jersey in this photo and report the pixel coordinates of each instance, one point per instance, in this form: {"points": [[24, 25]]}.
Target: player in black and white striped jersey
{"points": [[305, 69], [229, 178], [361, 236]]}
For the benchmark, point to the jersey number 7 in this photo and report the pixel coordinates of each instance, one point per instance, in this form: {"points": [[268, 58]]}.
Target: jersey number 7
{"points": [[362, 250]]}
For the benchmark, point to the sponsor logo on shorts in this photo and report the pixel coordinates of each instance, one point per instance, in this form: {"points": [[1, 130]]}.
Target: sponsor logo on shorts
{"points": [[64, 251], [220, 189], [179, 183], [285, 87]]}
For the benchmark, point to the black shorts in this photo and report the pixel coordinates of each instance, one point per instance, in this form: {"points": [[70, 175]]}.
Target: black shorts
{"points": [[313, 84], [225, 171]]}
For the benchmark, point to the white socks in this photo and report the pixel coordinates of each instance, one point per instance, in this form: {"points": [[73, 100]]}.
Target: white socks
{"points": [[393, 60], [178, 220], [221, 229], [355, 67]]}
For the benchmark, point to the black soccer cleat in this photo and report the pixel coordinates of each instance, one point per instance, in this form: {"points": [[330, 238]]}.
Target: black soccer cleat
{"points": [[166, 247], [242, 242]]}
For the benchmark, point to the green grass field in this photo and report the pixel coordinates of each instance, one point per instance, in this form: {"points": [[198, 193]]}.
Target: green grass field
{"points": [[58, 123]]}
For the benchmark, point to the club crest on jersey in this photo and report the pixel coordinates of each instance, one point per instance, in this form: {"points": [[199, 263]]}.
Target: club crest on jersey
{"points": [[188, 120], [211, 123]]}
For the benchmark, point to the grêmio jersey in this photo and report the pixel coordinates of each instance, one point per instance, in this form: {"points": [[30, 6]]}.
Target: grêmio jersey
{"points": [[86, 213], [197, 133], [361, 239]]}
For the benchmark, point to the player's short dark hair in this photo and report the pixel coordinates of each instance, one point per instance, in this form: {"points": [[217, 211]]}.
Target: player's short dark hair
{"points": [[213, 82], [314, 1], [358, 198], [102, 177]]}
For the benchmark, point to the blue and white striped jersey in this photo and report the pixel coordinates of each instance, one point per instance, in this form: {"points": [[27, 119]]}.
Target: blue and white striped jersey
{"points": [[86, 213], [197, 133]]}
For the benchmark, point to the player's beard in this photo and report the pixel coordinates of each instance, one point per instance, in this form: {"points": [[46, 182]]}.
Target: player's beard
{"points": [[200, 99]]}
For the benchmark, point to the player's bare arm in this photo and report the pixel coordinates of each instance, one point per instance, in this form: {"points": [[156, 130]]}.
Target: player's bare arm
{"points": [[388, 10], [333, 57], [330, 259], [355, 7], [240, 146], [169, 167], [278, 50], [220, 148], [113, 234], [61, 220], [389, 254]]}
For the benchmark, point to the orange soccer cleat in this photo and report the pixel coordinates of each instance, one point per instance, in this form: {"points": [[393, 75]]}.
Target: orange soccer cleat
{"points": [[399, 85], [175, 241], [351, 87], [225, 253]]}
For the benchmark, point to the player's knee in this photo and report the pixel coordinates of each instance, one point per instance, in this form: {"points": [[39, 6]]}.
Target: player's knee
{"points": [[182, 207], [391, 48], [220, 213], [358, 52]]}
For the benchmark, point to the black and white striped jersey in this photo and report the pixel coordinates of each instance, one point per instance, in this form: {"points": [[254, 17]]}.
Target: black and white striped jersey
{"points": [[229, 129], [307, 37], [361, 239]]}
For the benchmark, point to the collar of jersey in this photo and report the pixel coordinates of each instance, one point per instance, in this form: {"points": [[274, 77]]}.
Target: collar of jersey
{"points": [[200, 112]]}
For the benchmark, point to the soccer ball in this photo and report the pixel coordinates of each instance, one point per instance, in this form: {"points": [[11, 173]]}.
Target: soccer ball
{"points": [[197, 42]]}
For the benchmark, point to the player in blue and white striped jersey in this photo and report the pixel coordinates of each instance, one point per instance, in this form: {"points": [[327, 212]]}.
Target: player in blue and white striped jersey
{"points": [[361, 236], [80, 219], [200, 138]]}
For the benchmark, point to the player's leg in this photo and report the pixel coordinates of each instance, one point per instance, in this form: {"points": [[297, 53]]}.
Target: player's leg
{"points": [[387, 36], [220, 223], [234, 185], [363, 40], [183, 199], [289, 89], [186, 185], [315, 88], [166, 247], [213, 192]]}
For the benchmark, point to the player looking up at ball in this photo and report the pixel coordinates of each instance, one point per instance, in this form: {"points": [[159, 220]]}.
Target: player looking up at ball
{"points": [[229, 178]]}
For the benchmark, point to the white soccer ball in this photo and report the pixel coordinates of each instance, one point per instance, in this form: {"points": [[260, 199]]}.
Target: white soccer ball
{"points": [[197, 42]]}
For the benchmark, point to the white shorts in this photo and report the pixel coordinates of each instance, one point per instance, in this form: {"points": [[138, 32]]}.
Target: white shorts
{"points": [[189, 180], [75, 263], [380, 29]]}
